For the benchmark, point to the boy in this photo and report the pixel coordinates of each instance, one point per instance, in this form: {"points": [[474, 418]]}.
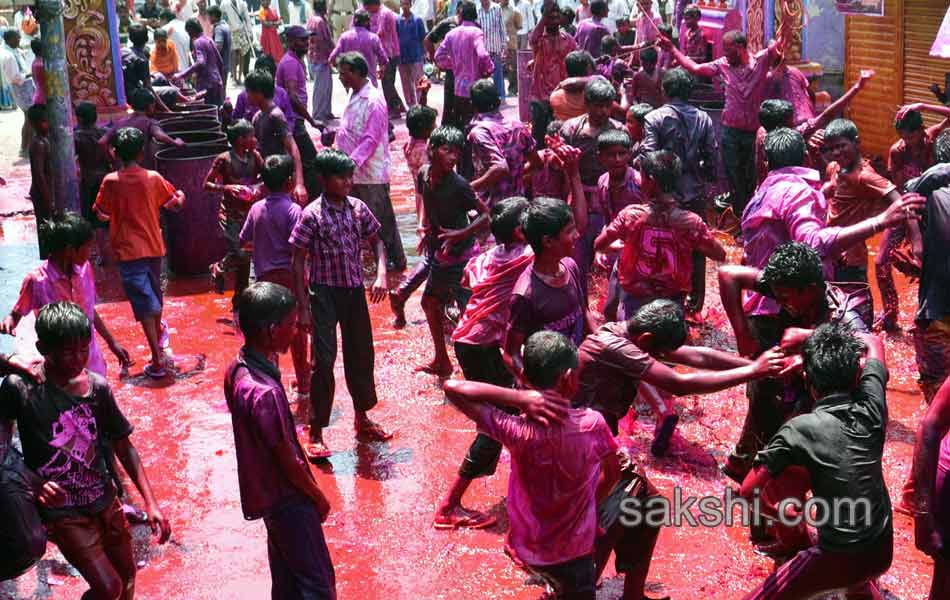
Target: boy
{"points": [[550, 295], [411, 31], [329, 233], [619, 187], [276, 483], [66, 276], [646, 85], [625, 33], [548, 179], [164, 57], [142, 102], [591, 31], [839, 445], [42, 195], [912, 154], [130, 200], [659, 239], [234, 174], [635, 124], [692, 38], [94, 164], [449, 237], [491, 277], [69, 427], [268, 227]]}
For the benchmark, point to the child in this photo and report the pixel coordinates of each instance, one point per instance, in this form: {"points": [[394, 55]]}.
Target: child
{"points": [[70, 427], [38, 71], [234, 174], [449, 237], [491, 277], [66, 276], [548, 179], [636, 123], [267, 228], [142, 102], [93, 165], [912, 154], [164, 57], [275, 482], [330, 232], [665, 58], [130, 200], [646, 85], [550, 295], [42, 195], [625, 33], [838, 447], [692, 38], [420, 121], [619, 187], [659, 239]]}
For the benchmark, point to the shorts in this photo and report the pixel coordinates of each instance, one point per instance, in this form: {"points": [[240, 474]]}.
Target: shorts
{"points": [[445, 283], [86, 540], [574, 580], [142, 282]]}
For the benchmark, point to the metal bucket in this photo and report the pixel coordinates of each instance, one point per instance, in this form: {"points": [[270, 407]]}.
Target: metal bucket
{"points": [[176, 126], [199, 138], [195, 109], [195, 240]]}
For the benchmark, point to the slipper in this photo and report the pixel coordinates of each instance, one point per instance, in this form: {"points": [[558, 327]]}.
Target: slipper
{"points": [[155, 372], [316, 451], [373, 433], [474, 520]]}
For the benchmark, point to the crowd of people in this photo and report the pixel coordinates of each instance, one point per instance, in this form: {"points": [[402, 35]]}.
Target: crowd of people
{"points": [[614, 174]]}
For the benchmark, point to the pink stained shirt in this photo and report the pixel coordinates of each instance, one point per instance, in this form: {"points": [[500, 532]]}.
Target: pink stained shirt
{"points": [[550, 51], [46, 284], [321, 40], [552, 506], [787, 207], [613, 199], [491, 276], [790, 84], [365, 42], [364, 135], [463, 52], [744, 87], [383, 24]]}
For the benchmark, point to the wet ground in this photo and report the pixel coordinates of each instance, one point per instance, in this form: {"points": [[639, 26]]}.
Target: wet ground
{"points": [[384, 495]]}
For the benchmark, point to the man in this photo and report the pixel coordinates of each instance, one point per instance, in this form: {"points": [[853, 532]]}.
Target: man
{"points": [[411, 31], [551, 47], [436, 36], [135, 64], [16, 73], [318, 59], [567, 101], [496, 40], [242, 37], [591, 31], [528, 21], [208, 67], [512, 19], [221, 34], [175, 28], [744, 79], [463, 52], [786, 82], [687, 132], [364, 136], [292, 76], [382, 22], [361, 39]]}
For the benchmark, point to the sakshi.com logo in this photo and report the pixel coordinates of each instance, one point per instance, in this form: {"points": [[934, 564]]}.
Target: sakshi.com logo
{"points": [[731, 509]]}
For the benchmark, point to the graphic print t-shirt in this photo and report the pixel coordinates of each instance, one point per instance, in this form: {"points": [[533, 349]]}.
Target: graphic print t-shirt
{"points": [[64, 438]]}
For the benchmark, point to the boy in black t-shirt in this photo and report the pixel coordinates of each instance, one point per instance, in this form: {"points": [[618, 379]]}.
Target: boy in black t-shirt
{"points": [[69, 426]]}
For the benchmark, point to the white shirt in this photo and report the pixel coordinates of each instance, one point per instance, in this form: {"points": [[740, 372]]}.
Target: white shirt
{"points": [[528, 20], [424, 9], [365, 124], [616, 9], [181, 39], [493, 24], [12, 65]]}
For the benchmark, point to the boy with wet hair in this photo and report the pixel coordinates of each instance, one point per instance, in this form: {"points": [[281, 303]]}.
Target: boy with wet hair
{"points": [[692, 38], [547, 178], [636, 120], [646, 85], [131, 200], [912, 154], [619, 187], [93, 166], [329, 234], [235, 175], [491, 277], [71, 429], [275, 482], [142, 118], [837, 448], [42, 195]]}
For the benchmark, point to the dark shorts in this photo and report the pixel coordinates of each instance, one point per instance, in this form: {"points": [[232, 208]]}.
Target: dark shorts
{"points": [[572, 580], [445, 283], [300, 564], [88, 540], [142, 282]]}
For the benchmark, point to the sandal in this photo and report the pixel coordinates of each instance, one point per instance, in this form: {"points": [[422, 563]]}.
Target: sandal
{"points": [[472, 520], [155, 372], [317, 451], [372, 432]]}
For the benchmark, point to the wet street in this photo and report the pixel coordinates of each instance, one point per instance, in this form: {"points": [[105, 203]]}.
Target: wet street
{"points": [[384, 495]]}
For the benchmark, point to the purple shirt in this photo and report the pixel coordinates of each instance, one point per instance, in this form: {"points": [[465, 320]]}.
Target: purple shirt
{"points": [[612, 199], [269, 223], [208, 65], [787, 207], [744, 87], [321, 40], [497, 141], [245, 110], [365, 42], [463, 52], [588, 36], [383, 24], [292, 76]]}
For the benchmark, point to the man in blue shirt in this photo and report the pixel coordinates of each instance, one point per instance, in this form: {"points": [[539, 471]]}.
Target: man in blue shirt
{"points": [[411, 32]]}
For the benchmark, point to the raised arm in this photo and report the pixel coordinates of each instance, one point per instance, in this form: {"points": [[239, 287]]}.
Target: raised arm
{"points": [[836, 107], [733, 279], [707, 70]]}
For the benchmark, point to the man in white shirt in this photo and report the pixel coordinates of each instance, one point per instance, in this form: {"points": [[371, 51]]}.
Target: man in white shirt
{"points": [[175, 28], [496, 40], [17, 74], [616, 9], [528, 21]]}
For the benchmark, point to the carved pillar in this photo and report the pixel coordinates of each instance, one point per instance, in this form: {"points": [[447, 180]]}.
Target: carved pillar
{"points": [[755, 25], [92, 51], [793, 10]]}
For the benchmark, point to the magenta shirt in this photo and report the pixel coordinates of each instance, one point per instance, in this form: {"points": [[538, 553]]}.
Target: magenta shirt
{"points": [[497, 141], [463, 52], [627, 193], [744, 87], [321, 40], [39, 81], [787, 207], [365, 42], [269, 223], [790, 84], [588, 36], [383, 24]]}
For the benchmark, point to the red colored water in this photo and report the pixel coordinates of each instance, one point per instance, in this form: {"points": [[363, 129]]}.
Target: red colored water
{"points": [[384, 495]]}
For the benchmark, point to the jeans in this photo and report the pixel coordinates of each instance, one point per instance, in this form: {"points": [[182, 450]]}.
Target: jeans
{"points": [[322, 91], [738, 157], [300, 564], [498, 74], [409, 75]]}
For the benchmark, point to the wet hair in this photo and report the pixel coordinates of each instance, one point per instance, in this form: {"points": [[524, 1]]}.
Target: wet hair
{"points": [[599, 91], [568, 13], [420, 120], [640, 111], [193, 26], [678, 83], [354, 61], [579, 63], [129, 143], [68, 231], [832, 358], [665, 29], [775, 113], [60, 323], [942, 147], [554, 128], [36, 46], [277, 170], [37, 113], [9, 35], [608, 44], [370, 2], [842, 128], [911, 122], [262, 305], [447, 135], [214, 12], [160, 33], [141, 98], [319, 6], [545, 217], [166, 15], [692, 10], [267, 63], [664, 167], [239, 129], [795, 265], [613, 137], [361, 19], [649, 55], [665, 320], [86, 113], [468, 11], [506, 218], [598, 8], [261, 82], [784, 147], [484, 96], [547, 356], [138, 34], [333, 162], [736, 37]]}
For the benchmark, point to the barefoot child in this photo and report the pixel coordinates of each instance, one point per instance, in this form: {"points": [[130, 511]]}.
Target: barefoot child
{"points": [[130, 200], [330, 232], [94, 164], [69, 427], [491, 276], [42, 195]]}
